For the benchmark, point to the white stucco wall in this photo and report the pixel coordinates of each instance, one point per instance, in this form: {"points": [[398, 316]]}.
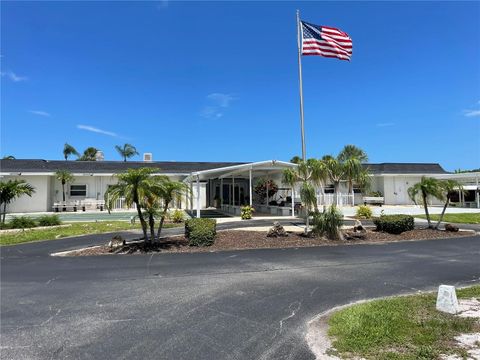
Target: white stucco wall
{"points": [[39, 200]]}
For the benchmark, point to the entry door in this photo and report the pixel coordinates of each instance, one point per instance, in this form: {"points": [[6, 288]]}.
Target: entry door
{"points": [[400, 190]]}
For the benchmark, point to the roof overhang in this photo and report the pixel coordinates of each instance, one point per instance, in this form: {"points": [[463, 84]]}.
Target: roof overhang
{"points": [[269, 166]]}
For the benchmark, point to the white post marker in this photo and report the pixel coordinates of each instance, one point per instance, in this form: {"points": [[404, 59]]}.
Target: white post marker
{"points": [[447, 299], [198, 196], [250, 186]]}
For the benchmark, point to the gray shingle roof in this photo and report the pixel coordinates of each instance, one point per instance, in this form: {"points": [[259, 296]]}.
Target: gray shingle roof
{"points": [[405, 168], [106, 167], [183, 167]]}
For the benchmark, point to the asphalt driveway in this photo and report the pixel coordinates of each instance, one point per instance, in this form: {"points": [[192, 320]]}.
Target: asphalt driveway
{"points": [[251, 304]]}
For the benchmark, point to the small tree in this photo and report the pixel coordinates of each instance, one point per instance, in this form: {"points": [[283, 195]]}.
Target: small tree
{"points": [[448, 188], [65, 177], [166, 192], [69, 150], [261, 188], [426, 188], [308, 174], [126, 151], [136, 186], [11, 190]]}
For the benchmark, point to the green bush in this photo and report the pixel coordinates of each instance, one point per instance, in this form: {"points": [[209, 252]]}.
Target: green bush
{"points": [[200, 232], [394, 224], [48, 220], [364, 212], [247, 212], [328, 223], [21, 222], [177, 216]]}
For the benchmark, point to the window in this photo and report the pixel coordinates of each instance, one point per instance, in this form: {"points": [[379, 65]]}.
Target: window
{"points": [[78, 190]]}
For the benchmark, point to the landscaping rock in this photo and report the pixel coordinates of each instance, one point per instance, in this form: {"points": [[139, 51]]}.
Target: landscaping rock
{"points": [[116, 242], [277, 230], [358, 226], [355, 235], [450, 227]]}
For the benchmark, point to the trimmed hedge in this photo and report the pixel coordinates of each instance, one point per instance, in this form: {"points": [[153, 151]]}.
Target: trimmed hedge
{"points": [[394, 224], [200, 232], [48, 220]]}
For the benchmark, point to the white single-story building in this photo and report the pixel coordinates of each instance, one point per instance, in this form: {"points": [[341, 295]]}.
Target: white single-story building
{"points": [[223, 185]]}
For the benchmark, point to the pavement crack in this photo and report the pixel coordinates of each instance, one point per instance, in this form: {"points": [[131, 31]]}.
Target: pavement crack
{"points": [[294, 307], [51, 317]]}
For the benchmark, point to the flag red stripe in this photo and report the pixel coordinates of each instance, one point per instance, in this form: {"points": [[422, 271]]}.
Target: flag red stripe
{"points": [[328, 56], [326, 43], [326, 48]]}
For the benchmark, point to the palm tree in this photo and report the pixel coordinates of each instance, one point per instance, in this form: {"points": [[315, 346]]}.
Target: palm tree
{"points": [[296, 159], [309, 174], [336, 171], [11, 190], [136, 186], [448, 187], [166, 191], [90, 154], [352, 151], [427, 187], [69, 150], [352, 158], [65, 177], [126, 151]]}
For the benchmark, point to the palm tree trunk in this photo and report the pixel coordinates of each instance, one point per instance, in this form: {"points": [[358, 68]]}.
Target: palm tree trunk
{"points": [[336, 188], [162, 220], [424, 197], [443, 212], [151, 223], [140, 217], [4, 212], [63, 190]]}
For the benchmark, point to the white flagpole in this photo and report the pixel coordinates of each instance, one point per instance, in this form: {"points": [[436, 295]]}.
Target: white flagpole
{"points": [[299, 41]]}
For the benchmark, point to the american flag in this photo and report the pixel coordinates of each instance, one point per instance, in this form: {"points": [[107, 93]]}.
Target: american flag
{"points": [[325, 41]]}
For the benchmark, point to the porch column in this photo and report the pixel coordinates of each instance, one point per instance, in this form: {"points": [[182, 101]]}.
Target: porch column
{"points": [[293, 200], [221, 193], [198, 196], [191, 196], [233, 190], [477, 195], [250, 186], [267, 189]]}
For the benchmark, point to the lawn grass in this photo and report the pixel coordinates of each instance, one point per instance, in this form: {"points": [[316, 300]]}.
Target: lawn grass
{"points": [[400, 328], [75, 228], [463, 218]]}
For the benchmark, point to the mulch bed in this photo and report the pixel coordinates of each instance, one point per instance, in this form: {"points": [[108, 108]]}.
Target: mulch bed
{"points": [[241, 239]]}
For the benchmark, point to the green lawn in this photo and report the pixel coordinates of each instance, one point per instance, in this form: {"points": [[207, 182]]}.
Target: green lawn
{"points": [[401, 328], [76, 228], [464, 218]]}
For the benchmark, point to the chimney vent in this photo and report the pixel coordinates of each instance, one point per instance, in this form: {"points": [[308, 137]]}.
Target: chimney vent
{"points": [[147, 157], [99, 156]]}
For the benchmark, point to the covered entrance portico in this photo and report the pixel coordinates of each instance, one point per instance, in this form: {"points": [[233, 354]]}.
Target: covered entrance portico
{"points": [[230, 188]]}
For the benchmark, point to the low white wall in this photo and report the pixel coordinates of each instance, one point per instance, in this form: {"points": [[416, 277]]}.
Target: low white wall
{"points": [[39, 200]]}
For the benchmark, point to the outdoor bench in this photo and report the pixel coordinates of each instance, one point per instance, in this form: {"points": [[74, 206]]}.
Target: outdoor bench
{"points": [[377, 200]]}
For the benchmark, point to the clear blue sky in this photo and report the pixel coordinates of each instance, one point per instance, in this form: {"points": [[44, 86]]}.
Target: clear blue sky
{"points": [[217, 81]]}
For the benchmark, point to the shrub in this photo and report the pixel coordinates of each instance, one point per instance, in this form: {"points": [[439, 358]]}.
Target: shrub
{"points": [[200, 232], [21, 222], [394, 224], [247, 212], [48, 220], [328, 223], [364, 212], [177, 216]]}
